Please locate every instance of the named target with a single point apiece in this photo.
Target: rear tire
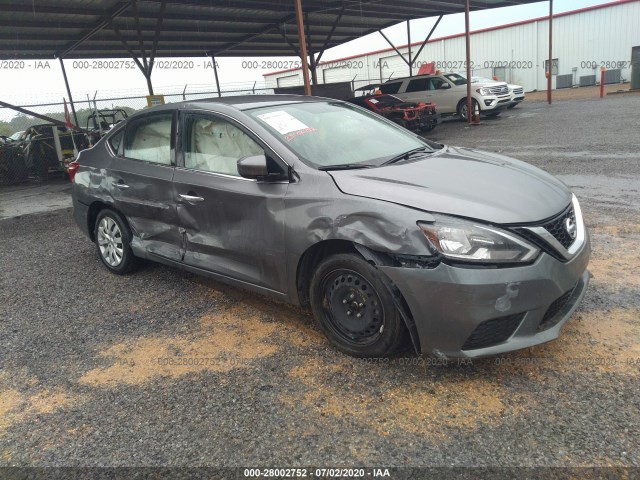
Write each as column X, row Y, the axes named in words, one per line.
column 353, row 304
column 113, row 242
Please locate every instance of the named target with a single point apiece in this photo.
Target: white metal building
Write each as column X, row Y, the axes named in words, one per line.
column 583, row 41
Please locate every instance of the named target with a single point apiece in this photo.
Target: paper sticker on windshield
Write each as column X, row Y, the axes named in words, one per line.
column 283, row 122
column 373, row 100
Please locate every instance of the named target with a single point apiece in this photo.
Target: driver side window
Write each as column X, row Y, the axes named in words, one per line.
column 436, row 83
column 212, row 144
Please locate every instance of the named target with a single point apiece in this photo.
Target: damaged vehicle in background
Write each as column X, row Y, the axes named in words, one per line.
column 39, row 148
column 449, row 92
column 417, row 117
column 100, row 122
column 385, row 235
column 13, row 168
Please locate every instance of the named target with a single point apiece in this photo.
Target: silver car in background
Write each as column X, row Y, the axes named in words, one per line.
column 387, row 237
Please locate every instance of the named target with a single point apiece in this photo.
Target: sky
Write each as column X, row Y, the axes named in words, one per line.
column 46, row 84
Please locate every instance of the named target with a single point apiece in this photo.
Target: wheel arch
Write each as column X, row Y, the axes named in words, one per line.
column 311, row 258
column 94, row 210
column 316, row 253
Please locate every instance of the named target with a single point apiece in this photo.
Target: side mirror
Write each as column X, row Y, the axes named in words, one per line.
column 445, row 86
column 253, row 167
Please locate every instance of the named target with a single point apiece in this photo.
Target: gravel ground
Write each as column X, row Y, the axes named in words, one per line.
column 163, row 368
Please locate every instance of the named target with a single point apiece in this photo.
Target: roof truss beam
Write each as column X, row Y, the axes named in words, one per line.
column 118, row 9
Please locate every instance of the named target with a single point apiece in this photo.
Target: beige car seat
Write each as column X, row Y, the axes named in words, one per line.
column 216, row 146
column 152, row 143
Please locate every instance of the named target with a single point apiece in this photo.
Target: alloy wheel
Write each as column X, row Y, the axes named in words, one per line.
column 110, row 241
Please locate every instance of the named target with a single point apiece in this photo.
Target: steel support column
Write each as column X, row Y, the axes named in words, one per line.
column 303, row 47
column 312, row 67
column 550, row 63
column 66, row 82
column 312, row 59
column 409, row 48
column 467, row 36
column 215, row 72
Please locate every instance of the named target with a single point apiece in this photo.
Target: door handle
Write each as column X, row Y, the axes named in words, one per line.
column 190, row 198
column 121, row 185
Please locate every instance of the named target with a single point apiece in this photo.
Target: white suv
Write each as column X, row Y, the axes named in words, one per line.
column 449, row 92
column 516, row 91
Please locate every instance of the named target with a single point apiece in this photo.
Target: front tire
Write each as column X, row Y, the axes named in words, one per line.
column 113, row 242
column 462, row 108
column 353, row 304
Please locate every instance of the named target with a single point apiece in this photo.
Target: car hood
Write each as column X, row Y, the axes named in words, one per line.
column 463, row 182
column 487, row 84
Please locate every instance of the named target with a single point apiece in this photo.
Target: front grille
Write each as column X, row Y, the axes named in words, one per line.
column 551, row 316
column 557, row 227
column 518, row 91
column 499, row 90
column 537, row 241
column 493, row 332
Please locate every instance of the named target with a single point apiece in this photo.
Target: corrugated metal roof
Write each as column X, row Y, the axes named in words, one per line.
column 109, row 29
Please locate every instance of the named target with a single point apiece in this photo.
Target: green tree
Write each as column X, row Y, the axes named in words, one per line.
column 6, row 129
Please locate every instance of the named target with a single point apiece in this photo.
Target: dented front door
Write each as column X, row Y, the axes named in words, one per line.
column 232, row 226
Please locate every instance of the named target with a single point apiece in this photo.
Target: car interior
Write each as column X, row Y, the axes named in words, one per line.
column 216, row 146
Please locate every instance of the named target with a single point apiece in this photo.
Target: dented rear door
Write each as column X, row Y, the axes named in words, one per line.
column 140, row 183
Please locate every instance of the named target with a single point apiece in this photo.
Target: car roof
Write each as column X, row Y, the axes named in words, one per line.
column 240, row 102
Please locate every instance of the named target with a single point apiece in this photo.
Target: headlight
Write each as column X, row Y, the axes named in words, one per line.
column 471, row 242
column 483, row 91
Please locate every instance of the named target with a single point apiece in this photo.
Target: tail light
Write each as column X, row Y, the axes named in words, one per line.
column 72, row 169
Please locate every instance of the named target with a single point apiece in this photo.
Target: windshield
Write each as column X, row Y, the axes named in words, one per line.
column 456, row 79
column 327, row 133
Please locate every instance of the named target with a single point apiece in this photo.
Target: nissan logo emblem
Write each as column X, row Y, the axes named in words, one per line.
column 570, row 227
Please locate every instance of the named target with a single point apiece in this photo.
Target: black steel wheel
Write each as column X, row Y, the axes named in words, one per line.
column 353, row 304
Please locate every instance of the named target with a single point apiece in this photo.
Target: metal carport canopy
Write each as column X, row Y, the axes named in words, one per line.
column 147, row 29
column 43, row 29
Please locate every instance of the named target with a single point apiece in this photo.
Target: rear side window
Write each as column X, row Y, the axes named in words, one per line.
column 418, row 85
column 390, row 88
column 149, row 139
column 116, row 140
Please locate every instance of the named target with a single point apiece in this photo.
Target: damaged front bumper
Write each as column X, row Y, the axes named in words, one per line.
column 477, row 312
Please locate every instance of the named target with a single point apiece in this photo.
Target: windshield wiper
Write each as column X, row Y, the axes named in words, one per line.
column 346, row 166
column 407, row 155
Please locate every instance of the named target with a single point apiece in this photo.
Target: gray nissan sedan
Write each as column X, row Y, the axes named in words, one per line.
column 388, row 237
